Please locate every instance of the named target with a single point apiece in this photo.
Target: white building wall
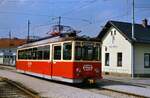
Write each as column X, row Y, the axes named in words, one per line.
column 140, row 49
column 119, row 44
column 1, row 60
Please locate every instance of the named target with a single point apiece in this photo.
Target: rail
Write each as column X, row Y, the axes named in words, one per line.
column 15, row 86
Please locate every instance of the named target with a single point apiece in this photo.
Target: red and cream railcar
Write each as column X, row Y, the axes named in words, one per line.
column 70, row 59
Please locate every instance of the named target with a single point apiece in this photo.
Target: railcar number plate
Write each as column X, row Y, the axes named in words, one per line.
column 87, row 67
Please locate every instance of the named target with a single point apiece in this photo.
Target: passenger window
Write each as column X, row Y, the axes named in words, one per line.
column 46, row 52
column 24, row 54
column 78, row 51
column 39, row 53
column 67, row 51
column 20, row 54
column 57, row 52
column 29, row 56
column 34, row 54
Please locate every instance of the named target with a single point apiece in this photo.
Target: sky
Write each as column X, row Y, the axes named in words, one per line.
column 89, row 16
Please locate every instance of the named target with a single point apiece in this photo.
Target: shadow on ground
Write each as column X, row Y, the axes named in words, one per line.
column 102, row 83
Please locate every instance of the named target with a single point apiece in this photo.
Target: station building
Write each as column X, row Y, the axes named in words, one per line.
column 8, row 48
column 120, row 51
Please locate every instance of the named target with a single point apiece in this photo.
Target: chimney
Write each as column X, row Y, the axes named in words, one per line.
column 145, row 23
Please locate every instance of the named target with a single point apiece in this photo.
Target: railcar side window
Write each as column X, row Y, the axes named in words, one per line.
column 57, row 52
column 21, row 54
column 29, row 56
column 78, row 51
column 37, row 53
column 67, row 51
column 46, row 52
column 34, row 53
column 24, row 54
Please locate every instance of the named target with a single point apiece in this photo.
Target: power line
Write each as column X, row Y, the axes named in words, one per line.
column 2, row 1
column 80, row 7
column 80, row 19
column 21, row 13
column 50, row 2
column 38, row 26
column 146, row 7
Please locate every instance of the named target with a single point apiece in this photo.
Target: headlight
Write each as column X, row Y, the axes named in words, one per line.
column 78, row 71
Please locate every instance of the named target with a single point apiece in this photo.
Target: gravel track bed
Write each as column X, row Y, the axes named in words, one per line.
column 49, row 89
column 9, row 91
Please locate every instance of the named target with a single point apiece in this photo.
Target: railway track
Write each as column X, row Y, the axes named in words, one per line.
column 99, row 89
column 115, row 94
column 10, row 89
column 109, row 92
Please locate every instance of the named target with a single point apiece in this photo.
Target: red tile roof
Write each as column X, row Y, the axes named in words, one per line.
column 6, row 43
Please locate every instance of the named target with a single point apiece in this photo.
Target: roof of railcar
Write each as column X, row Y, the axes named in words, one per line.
column 55, row 39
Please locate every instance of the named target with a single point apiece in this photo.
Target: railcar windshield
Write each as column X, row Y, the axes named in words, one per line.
column 87, row 51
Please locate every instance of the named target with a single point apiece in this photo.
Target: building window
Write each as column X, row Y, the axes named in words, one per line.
column 147, row 60
column 111, row 32
column 106, row 59
column 114, row 32
column 119, row 59
column 105, row 48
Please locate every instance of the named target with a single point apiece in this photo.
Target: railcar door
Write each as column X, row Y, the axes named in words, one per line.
column 56, row 61
column 29, row 63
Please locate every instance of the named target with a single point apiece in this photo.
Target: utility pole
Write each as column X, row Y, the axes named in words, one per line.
column 133, row 38
column 9, row 49
column 133, row 21
column 59, row 24
column 9, row 40
column 28, row 36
